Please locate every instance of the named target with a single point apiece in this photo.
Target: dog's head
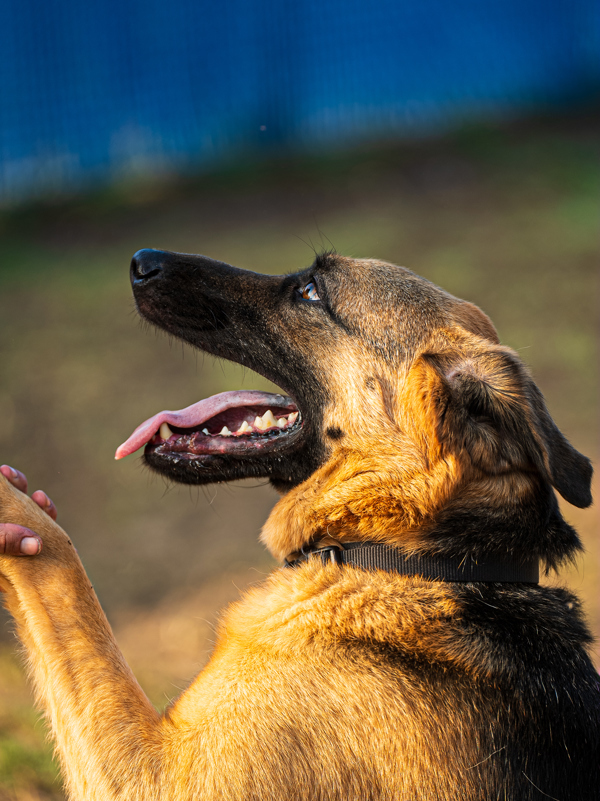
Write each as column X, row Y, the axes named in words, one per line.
column 403, row 418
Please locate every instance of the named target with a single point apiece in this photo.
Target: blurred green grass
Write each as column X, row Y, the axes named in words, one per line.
column 27, row 770
column 506, row 218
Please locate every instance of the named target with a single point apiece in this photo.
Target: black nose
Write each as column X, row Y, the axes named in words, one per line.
column 146, row 263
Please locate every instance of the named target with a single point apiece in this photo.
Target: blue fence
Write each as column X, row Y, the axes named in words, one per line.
column 96, row 90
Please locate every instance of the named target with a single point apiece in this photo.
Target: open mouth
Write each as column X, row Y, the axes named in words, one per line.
column 238, row 424
column 249, row 319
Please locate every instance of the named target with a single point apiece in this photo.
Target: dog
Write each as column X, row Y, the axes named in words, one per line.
column 405, row 650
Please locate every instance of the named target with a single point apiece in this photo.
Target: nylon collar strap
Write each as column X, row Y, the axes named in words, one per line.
column 379, row 556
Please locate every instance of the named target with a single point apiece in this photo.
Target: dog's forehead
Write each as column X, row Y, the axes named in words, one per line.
column 390, row 283
column 362, row 286
column 373, row 292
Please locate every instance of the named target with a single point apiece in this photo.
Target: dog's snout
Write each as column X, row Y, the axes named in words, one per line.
column 146, row 264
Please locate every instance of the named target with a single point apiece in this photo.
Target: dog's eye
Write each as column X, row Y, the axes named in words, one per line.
column 309, row 292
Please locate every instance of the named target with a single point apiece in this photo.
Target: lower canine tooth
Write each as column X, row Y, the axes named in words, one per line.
column 164, row 431
column 224, row 432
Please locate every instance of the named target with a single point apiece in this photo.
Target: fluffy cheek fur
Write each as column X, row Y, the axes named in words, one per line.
column 456, row 434
column 387, row 473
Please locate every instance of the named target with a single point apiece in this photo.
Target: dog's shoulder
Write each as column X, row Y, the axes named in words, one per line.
column 484, row 630
column 320, row 608
column 315, row 661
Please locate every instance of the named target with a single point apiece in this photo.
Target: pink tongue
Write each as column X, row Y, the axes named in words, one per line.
column 196, row 414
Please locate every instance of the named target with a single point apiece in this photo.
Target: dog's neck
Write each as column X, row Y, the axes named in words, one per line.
column 380, row 556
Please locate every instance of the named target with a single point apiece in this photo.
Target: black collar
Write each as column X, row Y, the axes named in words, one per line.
column 378, row 556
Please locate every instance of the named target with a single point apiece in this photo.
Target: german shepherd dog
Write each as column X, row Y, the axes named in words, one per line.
column 405, row 650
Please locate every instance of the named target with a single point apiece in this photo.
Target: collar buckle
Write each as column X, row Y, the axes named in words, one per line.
column 330, row 554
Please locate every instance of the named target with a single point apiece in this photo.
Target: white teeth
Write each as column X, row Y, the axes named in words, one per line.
column 268, row 419
column 164, row 431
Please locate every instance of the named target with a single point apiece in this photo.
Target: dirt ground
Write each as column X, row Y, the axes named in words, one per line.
column 504, row 217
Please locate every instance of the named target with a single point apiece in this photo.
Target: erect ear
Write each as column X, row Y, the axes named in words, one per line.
column 488, row 404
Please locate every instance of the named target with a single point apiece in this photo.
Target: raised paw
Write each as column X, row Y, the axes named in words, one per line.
column 18, row 540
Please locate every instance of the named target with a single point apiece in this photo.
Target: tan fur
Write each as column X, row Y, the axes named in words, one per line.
column 390, row 475
column 326, row 682
column 279, row 645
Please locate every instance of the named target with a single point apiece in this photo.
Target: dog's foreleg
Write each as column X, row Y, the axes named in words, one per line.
column 108, row 736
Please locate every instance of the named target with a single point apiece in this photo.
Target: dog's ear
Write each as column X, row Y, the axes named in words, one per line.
column 471, row 318
column 487, row 404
